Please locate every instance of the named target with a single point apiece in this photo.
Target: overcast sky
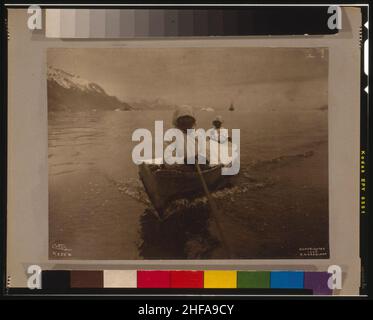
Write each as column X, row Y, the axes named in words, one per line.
column 199, row 76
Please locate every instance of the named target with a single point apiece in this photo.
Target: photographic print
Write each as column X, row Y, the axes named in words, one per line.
column 114, row 194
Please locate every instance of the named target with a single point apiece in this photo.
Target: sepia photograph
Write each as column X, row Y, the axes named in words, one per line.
column 188, row 153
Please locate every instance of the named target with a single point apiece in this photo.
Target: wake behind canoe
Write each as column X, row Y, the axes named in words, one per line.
column 164, row 184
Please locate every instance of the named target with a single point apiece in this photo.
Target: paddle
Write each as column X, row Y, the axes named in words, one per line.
column 214, row 209
column 151, row 189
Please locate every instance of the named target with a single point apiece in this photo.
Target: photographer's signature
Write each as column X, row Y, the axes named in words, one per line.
column 59, row 249
column 313, row 252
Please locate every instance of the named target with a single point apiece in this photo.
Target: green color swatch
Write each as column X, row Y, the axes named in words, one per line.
column 253, row 279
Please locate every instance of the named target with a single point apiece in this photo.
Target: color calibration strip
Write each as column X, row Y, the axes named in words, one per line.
column 211, row 279
column 148, row 23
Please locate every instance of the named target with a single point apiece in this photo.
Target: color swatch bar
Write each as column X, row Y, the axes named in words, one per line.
column 149, row 23
column 317, row 282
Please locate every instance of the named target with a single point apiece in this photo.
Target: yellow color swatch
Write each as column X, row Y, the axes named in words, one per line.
column 220, row 279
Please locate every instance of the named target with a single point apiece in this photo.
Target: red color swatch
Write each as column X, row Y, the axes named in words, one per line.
column 153, row 279
column 186, row 279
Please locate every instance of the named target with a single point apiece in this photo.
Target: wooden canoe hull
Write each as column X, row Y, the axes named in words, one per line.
column 165, row 185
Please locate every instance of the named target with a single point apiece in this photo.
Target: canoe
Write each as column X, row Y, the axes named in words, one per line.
column 164, row 184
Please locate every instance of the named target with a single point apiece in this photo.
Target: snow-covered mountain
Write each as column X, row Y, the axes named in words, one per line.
column 155, row 104
column 70, row 92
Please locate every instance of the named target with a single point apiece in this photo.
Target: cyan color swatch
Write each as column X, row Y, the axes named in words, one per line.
column 287, row 279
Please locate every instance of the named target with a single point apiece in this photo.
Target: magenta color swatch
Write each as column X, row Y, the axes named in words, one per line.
column 153, row 279
column 318, row 282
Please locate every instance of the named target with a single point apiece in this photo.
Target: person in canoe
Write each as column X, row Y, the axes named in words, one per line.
column 217, row 132
column 210, row 153
column 184, row 119
column 172, row 180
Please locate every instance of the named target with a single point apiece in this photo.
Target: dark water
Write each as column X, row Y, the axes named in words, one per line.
column 277, row 206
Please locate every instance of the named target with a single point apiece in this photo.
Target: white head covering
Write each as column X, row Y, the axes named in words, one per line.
column 218, row 118
column 182, row 111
